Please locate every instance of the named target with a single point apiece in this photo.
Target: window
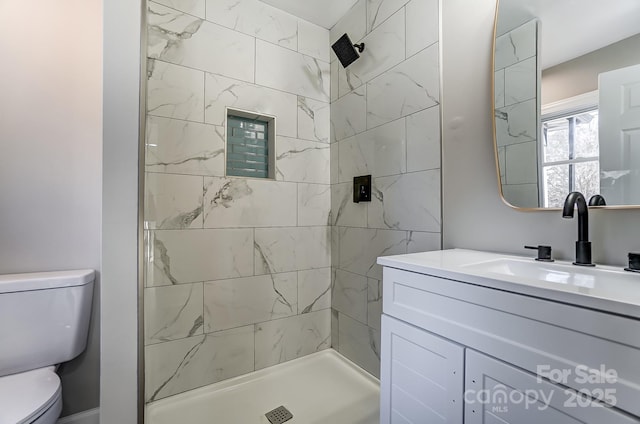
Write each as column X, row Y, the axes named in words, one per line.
column 250, row 145
column 570, row 156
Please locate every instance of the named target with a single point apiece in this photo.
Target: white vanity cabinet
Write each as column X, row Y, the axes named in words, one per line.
column 456, row 350
column 496, row 392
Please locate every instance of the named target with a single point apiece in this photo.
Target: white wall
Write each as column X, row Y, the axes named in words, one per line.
column 119, row 344
column 474, row 215
column 50, row 161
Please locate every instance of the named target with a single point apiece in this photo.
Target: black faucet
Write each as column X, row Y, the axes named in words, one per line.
column 583, row 245
column 597, row 200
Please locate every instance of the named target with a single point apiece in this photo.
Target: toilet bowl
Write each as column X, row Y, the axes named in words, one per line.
column 32, row 397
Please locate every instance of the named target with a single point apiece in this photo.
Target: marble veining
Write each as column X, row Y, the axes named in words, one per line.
column 255, row 18
column 349, row 115
column 343, row 210
column 374, row 303
column 181, row 39
column 385, row 48
column 288, row 249
column 314, row 204
column 349, row 295
column 223, row 92
column 167, row 29
column 192, row 7
column 360, row 247
column 241, row 202
column 406, row 202
column 423, row 241
column 380, row 152
column 186, row 256
column 379, row 10
column 302, row 161
column 422, row 25
column 177, row 366
column 514, row 124
column 183, row 147
column 335, row 67
column 174, row 91
column 313, row 120
column 516, row 45
column 243, row 301
column 289, row 338
column 162, row 261
column 410, row 87
column 313, row 40
column 173, row 201
column 173, row 312
column 314, row 290
column 291, row 72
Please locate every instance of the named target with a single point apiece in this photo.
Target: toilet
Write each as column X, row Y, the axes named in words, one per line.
column 44, row 321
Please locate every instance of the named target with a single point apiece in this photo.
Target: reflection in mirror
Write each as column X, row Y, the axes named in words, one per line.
column 567, row 100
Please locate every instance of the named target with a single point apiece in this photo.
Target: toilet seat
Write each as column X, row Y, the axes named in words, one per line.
column 26, row 396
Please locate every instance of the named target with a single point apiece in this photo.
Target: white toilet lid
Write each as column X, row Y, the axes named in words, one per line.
column 25, row 396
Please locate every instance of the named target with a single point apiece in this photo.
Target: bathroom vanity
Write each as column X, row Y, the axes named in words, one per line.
column 478, row 337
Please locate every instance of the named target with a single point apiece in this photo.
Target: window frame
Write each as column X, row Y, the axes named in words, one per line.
column 565, row 108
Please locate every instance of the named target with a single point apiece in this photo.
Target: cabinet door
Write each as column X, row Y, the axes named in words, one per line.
column 421, row 376
column 498, row 393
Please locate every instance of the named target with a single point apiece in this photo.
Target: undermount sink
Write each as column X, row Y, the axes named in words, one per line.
column 552, row 272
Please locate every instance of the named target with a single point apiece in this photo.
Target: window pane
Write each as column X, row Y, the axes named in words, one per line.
column 587, row 177
column 556, row 185
column 586, row 140
column 556, row 144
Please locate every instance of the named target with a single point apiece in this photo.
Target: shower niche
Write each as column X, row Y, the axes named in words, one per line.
column 250, row 144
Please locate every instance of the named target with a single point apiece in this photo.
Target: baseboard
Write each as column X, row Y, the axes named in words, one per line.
column 92, row 416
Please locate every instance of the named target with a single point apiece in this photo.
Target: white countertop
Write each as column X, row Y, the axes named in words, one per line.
column 603, row 288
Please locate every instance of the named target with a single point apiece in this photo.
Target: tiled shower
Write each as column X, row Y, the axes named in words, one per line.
column 245, row 273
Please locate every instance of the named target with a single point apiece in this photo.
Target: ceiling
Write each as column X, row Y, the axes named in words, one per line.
column 325, row 13
column 572, row 28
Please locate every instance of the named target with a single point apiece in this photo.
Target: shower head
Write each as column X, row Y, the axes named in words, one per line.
column 346, row 50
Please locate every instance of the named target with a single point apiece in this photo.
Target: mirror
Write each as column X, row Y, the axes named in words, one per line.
column 567, row 101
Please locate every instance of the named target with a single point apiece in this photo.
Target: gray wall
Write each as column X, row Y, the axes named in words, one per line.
column 119, row 344
column 580, row 75
column 50, row 165
column 474, row 215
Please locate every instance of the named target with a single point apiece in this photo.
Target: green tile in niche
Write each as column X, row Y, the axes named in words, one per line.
column 247, row 147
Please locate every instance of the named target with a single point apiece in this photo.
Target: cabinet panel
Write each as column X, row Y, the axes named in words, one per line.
column 496, row 392
column 421, row 376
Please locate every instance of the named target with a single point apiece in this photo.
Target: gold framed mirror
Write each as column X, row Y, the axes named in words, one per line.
column 566, row 96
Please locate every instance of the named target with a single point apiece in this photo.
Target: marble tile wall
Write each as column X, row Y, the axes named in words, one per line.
column 385, row 121
column 238, row 271
column 516, row 109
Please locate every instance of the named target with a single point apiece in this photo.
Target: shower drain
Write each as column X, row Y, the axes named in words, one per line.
column 278, row 415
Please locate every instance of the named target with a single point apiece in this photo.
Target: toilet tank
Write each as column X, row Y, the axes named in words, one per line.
column 44, row 318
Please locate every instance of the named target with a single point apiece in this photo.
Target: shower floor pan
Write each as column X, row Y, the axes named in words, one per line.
column 320, row 388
